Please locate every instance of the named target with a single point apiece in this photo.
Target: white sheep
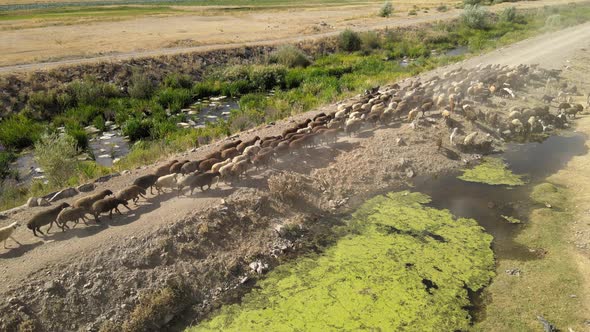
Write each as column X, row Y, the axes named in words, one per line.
column 239, row 158
column 6, row 233
column 225, row 172
column 251, row 150
column 166, row 181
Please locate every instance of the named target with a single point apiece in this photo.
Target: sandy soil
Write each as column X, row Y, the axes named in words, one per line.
column 38, row 260
column 84, row 42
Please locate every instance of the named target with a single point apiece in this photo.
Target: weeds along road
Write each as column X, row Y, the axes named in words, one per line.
column 83, row 44
column 551, row 50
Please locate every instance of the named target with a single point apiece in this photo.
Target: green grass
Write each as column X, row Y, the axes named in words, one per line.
column 546, row 284
column 87, row 12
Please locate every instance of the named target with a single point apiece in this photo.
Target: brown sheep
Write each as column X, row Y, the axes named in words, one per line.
column 213, row 155
column 132, row 192
column 202, row 180
column 190, row 166
column 46, row 217
column 263, row 157
column 177, row 166
column 230, row 145
column 206, row 165
column 108, row 205
column 86, row 202
column 74, row 215
column 287, row 132
column 229, row 153
column 146, row 181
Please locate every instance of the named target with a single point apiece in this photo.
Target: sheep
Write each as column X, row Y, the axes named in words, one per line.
column 413, row 114
column 165, row 169
column 240, row 147
column 239, row 158
column 262, row 158
column 352, row 126
column 6, row 233
column 229, row 153
column 190, row 167
column 215, row 168
column 331, row 135
column 213, row 155
column 251, row 150
column 563, row 106
column 202, row 180
column 74, row 215
column 108, row 205
column 166, row 181
column 206, row 164
column 86, row 202
column 240, row 168
column 146, row 181
column 230, row 145
column 572, row 112
column 186, row 181
column 175, row 168
column 470, row 139
column 45, row 217
column 132, row 192
column 225, row 172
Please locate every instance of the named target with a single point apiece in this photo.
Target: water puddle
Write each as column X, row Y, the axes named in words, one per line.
column 459, row 50
column 407, row 259
column 211, row 110
column 108, row 147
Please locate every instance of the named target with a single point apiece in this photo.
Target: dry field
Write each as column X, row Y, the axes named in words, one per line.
column 125, row 32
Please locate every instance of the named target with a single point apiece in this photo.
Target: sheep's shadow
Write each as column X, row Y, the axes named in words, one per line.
column 20, row 250
column 314, row 158
column 209, row 193
column 449, row 153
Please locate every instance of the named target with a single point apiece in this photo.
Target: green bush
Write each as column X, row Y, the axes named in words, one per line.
column 290, row 56
column 386, row 10
column 137, row 129
column 205, row 89
column 5, row 159
column 19, row 132
column 442, row 8
column 412, row 12
column 178, row 81
column 43, row 105
column 174, row 99
column 472, row 2
column 56, row 155
column 140, row 86
column 90, row 91
column 80, row 135
column 508, row 14
column 475, row 17
column 370, row 41
column 349, row 41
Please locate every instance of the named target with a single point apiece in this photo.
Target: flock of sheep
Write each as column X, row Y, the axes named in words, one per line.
column 450, row 96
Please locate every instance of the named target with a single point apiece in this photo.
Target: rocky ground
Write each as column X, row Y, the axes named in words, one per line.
column 173, row 259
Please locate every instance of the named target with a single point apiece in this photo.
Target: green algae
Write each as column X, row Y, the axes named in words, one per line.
column 401, row 265
column 492, row 171
column 512, row 220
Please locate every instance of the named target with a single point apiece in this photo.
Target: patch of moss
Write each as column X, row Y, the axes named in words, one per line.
column 401, row 265
column 546, row 193
column 512, row 220
column 492, row 171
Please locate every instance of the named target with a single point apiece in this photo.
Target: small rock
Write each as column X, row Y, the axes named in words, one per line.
column 42, row 202
column 513, row 272
column 125, row 172
column 547, row 205
column 66, row 193
column 491, row 205
column 410, row 172
column 400, row 142
column 32, row 202
column 86, row 187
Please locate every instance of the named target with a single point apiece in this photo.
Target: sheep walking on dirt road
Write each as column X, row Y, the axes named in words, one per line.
column 6, row 233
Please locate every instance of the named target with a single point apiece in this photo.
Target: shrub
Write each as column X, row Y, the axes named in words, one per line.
column 386, row 10
column 178, row 81
column 442, row 8
column 80, row 135
column 205, row 89
column 267, row 77
column 18, row 132
column 5, row 159
column 508, row 14
column 290, row 56
column 43, row 104
column 140, row 86
column 412, row 12
column 90, row 91
column 553, row 21
column 475, row 17
column 370, row 41
column 136, row 128
column 56, row 155
column 174, row 99
column 349, row 41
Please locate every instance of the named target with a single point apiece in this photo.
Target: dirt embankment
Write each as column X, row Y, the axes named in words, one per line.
column 173, row 254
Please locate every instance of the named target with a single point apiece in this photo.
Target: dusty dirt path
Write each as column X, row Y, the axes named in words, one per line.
column 53, row 46
column 552, row 50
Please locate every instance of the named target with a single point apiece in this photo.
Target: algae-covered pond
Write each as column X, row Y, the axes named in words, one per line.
column 407, row 260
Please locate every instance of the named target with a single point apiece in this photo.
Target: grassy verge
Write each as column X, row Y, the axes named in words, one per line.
column 548, row 286
column 148, row 110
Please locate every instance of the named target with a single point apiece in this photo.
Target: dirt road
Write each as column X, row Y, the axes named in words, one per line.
column 51, row 254
column 51, row 46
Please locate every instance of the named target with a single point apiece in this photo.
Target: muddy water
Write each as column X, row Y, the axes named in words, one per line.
column 487, row 204
column 409, row 258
